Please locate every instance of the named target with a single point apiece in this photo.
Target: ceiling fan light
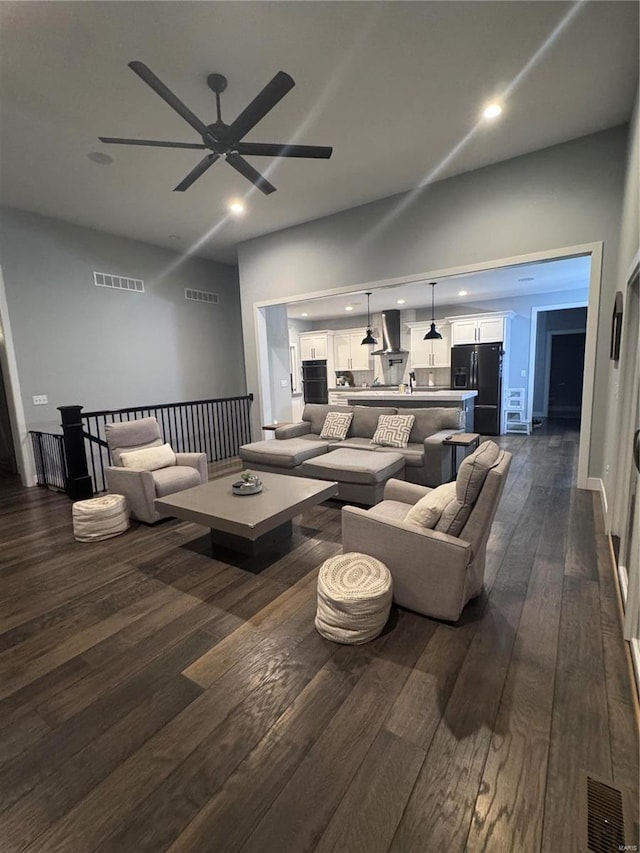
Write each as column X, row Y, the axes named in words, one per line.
column 433, row 334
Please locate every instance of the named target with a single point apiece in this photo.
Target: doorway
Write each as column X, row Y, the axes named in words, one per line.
column 8, row 465
column 566, row 371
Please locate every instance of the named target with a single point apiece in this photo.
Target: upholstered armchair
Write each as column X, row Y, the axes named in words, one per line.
column 142, row 478
column 434, row 572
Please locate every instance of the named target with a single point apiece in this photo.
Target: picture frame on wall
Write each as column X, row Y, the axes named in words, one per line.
column 616, row 326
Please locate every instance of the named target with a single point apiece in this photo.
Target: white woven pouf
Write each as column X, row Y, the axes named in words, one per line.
column 100, row 518
column 354, row 598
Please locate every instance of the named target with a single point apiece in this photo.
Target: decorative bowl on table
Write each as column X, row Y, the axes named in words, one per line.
column 248, row 484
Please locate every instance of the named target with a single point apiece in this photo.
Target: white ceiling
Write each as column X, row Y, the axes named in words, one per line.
column 521, row 280
column 393, row 86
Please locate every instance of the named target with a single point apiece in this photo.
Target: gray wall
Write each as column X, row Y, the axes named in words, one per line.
column 629, row 248
column 101, row 348
column 560, row 196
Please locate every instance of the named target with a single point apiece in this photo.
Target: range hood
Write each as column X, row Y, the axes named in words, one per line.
column 390, row 334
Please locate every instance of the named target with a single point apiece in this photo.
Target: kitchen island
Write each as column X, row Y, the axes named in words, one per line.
column 462, row 400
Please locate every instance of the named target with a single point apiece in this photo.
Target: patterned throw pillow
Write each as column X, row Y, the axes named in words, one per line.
column 393, row 430
column 336, row 425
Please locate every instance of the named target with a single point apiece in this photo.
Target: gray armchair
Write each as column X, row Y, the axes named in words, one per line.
column 433, row 573
column 141, row 487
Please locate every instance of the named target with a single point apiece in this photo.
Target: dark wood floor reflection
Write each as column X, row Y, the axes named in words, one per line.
column 153, row 697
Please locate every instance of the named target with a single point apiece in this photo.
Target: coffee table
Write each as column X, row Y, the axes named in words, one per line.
column 249, row 524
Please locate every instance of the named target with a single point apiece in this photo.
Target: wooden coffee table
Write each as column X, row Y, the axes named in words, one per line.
column 249, row 524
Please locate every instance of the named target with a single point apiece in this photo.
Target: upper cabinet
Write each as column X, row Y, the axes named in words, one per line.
column 479, row 328
column 314, row 345
column 429, row 353
column 349, row 352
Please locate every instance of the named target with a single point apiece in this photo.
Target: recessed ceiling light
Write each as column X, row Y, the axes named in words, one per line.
column 304, row 314
column 400, row 301
column 236, row 207
column 527, row 278
column 349, row 308
column 100, row 158
column 492, row 111
column 462, row 292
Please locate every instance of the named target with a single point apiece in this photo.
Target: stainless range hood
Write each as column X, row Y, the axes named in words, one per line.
column 390, row 334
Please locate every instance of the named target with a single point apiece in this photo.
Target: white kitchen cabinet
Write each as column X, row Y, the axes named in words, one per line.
column 479, row 328
column 429, row 353
column 314, row 346
column 349, row 353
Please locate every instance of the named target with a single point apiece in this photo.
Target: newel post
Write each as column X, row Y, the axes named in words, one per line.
column 77, row 480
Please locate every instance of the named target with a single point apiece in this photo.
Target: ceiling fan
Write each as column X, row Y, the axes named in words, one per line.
column 224, row 141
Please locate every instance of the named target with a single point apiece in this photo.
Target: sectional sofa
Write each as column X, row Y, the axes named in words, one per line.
column 299, row 450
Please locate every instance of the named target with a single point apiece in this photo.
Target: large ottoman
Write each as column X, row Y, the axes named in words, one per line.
column 354, row 598
column 99, row 518
column 274, row 456
column 361, row 474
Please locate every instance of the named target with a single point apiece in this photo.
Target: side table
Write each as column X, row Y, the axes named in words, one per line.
column 273, row 427
column 460, row 439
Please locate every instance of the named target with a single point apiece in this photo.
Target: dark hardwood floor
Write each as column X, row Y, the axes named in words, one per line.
column 153, row 697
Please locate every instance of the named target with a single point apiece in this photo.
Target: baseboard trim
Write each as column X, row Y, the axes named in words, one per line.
column 596, row 484
column 635, row 657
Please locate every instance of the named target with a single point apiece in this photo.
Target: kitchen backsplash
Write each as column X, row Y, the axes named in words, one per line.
column 441, row 377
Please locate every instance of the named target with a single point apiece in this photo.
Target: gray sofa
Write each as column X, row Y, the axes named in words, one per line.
column 427, row 461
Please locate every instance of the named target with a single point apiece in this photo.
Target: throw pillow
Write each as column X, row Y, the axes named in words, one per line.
column 336, row 425
column 428, row 510
column 149, row 459
column 393, row 430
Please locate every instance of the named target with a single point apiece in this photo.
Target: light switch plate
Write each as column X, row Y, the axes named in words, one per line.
column 523, row 373
column 40, row 400
column 283, row 383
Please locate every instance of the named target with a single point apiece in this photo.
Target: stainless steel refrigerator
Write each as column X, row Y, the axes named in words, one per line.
column 314, row 381
column 478, row 367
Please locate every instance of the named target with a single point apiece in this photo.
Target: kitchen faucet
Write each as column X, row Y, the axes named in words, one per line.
column 412, row 379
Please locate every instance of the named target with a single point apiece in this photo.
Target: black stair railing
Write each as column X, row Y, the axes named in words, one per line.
column 74, row 461
column 217, row 427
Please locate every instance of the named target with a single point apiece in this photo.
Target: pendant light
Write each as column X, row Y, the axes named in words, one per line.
column 433, row 334
column 368, row 339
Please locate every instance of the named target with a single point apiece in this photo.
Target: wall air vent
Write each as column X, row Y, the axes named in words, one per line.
column 118, row 282
column 201, row 296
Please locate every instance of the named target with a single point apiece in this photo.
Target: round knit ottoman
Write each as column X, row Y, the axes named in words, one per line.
column 99, row 518
column 354, row 598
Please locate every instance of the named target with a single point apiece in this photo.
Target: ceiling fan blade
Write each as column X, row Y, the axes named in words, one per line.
column 267, row 149
column 155, row 143
column 250, row 173
column 195, row 173
column 260, row 105
column 167, row 95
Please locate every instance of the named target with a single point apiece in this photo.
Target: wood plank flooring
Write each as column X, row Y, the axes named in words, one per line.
column 154, row 696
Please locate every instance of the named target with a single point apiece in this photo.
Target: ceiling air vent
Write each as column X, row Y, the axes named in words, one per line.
column 118, row 282
column 201, row 296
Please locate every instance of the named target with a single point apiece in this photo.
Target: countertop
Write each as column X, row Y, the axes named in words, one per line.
column 445, row 395
column 379, row 389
